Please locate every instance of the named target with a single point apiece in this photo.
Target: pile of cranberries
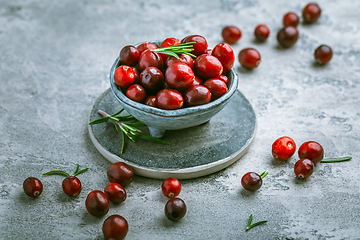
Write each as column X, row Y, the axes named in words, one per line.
column 165, row 82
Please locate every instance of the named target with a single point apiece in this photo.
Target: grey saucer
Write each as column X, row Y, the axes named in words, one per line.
column 194, row 152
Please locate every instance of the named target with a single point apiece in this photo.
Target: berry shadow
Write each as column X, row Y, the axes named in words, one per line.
column 244, row 70
column 315, row 64
column 89, row 219
column 257, row 42
column 247, row 194
column 277, row 163
column 165, row 222
column 299, row 181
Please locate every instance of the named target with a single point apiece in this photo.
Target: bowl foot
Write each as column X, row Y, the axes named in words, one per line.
column 156, row 133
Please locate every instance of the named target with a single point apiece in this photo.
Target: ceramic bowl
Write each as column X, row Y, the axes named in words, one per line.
column 159, row 120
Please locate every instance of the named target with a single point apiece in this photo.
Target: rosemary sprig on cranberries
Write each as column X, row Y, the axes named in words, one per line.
column 184, row 48
column 128, row 126
column 249, row 225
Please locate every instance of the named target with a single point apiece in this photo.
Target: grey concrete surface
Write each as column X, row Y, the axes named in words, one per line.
column 55, row 58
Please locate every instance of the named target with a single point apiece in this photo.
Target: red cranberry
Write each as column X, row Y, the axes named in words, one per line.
column 197, row 95
column 251, row 181
column 287, row 36
column 169, row 99
column 304, row 168
column 136, row 93
column 115, row 192
column 225, row 54
column 179, row 76
column 216, row 86
column 151, row 101
column 71, row 186
column 311, row 13
column 115, row 227
column 171, row 187
column 291, row 19
column 261, row 32
column 183, row 58
column 323, row 54
column 120, row 173
column 129, row 55
column 32, row 187
column 231, row 34
column 152, row 79
column 175, row 209
column 283, row 148
column 200, row 45
column 124, row 76
column 197, row 81
column 150, row 59
column 137, row 75
column 311, row 150
column 167, row 43
column 206, row 66
column 224, row 79
column 145, row 46
column 249, row 58
column 97, row 203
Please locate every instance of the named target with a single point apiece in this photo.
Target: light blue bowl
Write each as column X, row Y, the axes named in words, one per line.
column 159, row 120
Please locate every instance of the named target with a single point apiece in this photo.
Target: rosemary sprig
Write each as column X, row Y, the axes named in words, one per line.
column 184, row 48
column 60, row 172
column 127, row 124
column 249, row 225
column 339, row 159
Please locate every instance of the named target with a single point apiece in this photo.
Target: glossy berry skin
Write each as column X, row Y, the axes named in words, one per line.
column 311, row 13
column 115, row 227
column 145, row 46
column 136, row 93
column 137, row 74
column 251, row 181
column 287, row 36
column 32, row 187
column 71, row 186
column 183, row 58
column 224, row 78
column 151, row 101
column 97, row 203
column 311, row 150
column 216, row 86
column 283, row 148
column 124, row 76
column 120, row 173
column 261, row 32
column 197, row 81
column 129, row 55
column 171, row 187
column 303, row 168
column 152, row 79
column 200, row 46
column 207, row 66
column 167, row 43
column 249, row 58
column 291, row 19
column 323, row 54
column 175, row 209
column 197, row 95
column 179, row 76
column 231, row 34
column 225, row 54
column 169, row 99
column 115, row 192
column 150, row 59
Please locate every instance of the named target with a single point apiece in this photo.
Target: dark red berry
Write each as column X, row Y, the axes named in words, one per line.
column 311, row 150
column 136, row 93
column 323, row 54
column 115, row 192
column 287, row 36
column 311, row 13
column 167, row 43
column 169, row 99
column 115, row 227
column 261, row 32
column 200, row 46
column 152, row 79
column 206, row 66
column 225, row 54
column 150, row 59
column 137, row 74
column 129, row 55
column 171, row 187
column 151, row 101
column 32, row 187
column 231, row 34
column 124, row 76
column 179, row 76
column 283, row 148
column 224, row 78
column 291, row 19
column 175, row 209
column 249, row 58
column 251, row 181
column 97, row 203
column 183, row 58
column 120, row 173
column 145, row 46
column 197, row 95
column 304, row 168
column 71, row 186
column 197, row 81
column 216, row 86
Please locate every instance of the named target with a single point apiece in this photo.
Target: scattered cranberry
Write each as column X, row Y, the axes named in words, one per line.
column 200, row 46
column 225, row 54
column 124, row 76
column 252, row 181
column 129, row 55
column 197, row 95
column 287, row 36
column 311, row 13
column 136, row 93
column 304, row 168
column 179, row 76
column 169, row 99
column 152, row 79
column 71, row 186
column 207, row 66
column 115, row 192
column 97, row 203
column 261, row 32
column 32, row 187
column 224, row 78
column 216, row 86
column 171, row 187
column 291, row 19
column 231, row 34
column 167, row 43
column 145, row 46
column 115, row 227
column 150, row 59
column 249, row 58
column 323, row 54
column 283, row 148
column 120, row 173
column 311, row 150
column 151, row 101
column 183, row 58
column 175, row 209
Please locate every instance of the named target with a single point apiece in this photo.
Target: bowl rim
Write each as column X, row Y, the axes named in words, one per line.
column 171, row 113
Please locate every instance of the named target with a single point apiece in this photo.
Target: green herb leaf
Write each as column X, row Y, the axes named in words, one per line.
column 131, row 128
column 117, row 113
column 249, row 225
column 263, row 174
column 81, row 171
column 57, row 172
column 123, row 142
column 100, row 120
column 339, row 159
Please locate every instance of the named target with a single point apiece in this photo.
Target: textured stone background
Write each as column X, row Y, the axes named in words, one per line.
column 55, row 57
